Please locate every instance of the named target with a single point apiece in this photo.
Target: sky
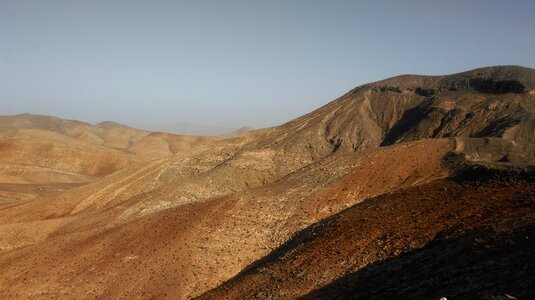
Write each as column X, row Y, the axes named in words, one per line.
column 227, row 64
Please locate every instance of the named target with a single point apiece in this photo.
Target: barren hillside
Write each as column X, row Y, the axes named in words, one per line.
column 496, row 102
column 468, row 236
column 41, row 153
column 385, row 157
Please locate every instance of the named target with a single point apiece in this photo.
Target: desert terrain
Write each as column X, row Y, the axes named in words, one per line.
column 413, row 186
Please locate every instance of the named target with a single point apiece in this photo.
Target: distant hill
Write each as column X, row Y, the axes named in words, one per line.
column 240, row 131
column 187, row 128
column 36, row 149
column 106, row 134
column 111, row 124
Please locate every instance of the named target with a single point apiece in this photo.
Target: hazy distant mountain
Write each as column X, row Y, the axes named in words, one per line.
column 187, row 128
column 242, row 130
column 111, row 124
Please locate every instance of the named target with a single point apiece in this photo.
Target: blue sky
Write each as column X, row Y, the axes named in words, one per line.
column 235, row 63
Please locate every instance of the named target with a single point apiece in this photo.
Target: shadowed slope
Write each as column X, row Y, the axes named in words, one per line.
column 482, row 263
column 408, row 244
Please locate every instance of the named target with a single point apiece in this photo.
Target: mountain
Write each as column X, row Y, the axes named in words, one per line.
column 188, row 128
column 494, row 103
column 42, row 153
column 105, row 134
column 111, row 124
column 389, row 175
column 241, row 130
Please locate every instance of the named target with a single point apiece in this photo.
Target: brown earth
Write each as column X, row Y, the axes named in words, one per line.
column 177, row 216
column 248, row 224
column 451, row 237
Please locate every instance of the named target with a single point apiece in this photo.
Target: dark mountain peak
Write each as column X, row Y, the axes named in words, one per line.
column 488, row 80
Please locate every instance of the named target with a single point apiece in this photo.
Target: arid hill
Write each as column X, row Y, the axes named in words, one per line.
column 492, row 103
column 240, row 215
column 105, row 134
column 41, row 153
column 457, row 237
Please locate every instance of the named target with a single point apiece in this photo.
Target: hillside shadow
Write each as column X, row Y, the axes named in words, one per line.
column 301, row 237
column 408, row 121
column 491, row 86
column 477, row 264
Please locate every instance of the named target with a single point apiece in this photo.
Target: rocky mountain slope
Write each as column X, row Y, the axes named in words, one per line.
column 182, row 225
column 496, row 102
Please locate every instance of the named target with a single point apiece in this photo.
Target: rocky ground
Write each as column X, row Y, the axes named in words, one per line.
column 464, row 238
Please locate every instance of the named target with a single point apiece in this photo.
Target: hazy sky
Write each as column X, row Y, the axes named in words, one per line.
column 235, row 63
